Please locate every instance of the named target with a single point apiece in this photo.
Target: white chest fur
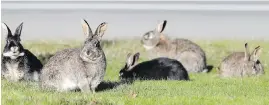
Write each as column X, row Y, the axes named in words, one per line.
column 13, row 72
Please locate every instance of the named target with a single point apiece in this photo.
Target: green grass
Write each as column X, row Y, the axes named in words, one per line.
column 204, row 89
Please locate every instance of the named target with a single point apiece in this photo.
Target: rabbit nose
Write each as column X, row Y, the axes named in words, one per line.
column 14, row 49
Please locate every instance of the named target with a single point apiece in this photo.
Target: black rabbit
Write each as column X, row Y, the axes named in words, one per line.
column 155, row 69
column 18, row 63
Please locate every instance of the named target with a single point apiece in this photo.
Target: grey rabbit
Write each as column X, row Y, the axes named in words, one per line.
column 155, row 69
column 18, row 63
column 240, row 64
column 187, row 52
column 77, row 68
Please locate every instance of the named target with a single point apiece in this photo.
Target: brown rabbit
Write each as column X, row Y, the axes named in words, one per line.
column 239, row 64
column 188, row 53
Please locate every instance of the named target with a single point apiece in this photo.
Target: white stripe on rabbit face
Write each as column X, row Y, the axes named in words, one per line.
column 148, row 47
column 13, row 53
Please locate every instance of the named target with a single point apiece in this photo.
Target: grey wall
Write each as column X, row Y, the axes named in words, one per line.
column 189, row 19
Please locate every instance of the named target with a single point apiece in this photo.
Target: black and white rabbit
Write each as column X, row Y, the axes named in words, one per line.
column 18, row 63
column 155, row 69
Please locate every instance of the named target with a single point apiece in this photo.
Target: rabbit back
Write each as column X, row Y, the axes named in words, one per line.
column 35, row 66
column 161, row 68
column 188, row 53
column 53, row 70
column 34, row 63
column 232, row 65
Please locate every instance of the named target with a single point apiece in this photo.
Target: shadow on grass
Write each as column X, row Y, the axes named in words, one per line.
column 108, row 85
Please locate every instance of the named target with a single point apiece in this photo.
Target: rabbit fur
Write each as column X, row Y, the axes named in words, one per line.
column 240, row 64
column 77, row 68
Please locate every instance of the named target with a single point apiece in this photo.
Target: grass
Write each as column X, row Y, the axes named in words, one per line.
column 204, row 89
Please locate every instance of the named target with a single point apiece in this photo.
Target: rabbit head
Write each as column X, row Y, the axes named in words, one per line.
column 151, row 38
column 252, row 65
column 127, row 71
column 13, row 48
column 91, row 50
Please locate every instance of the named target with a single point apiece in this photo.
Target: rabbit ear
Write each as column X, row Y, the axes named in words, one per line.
column 18, row 30
column 256, row 53
column 136, row 57
column 100, row 30
column 129, row 61
column 161, row 26
column 5, row 27
column 86, row 28
column 132, row 60
column 246, row 52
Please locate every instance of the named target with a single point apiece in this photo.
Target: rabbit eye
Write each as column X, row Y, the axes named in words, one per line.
column 97, row 44
column 146, row 37
column 8, row 41
column 257, row 62
column 121, row 74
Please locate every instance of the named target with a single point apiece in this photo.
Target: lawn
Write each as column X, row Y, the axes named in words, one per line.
column 204, row 88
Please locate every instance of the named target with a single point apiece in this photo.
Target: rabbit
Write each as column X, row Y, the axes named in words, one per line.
column 241, row 64
column 18, row 63
column 185, row 51
column 77, row 68
column 156, row 69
